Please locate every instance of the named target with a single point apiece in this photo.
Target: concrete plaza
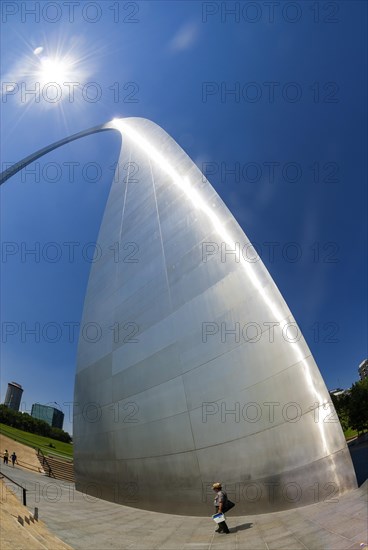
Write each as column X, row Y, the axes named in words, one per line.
column 87, row 523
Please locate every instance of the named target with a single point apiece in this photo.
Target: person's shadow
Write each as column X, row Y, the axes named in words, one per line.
column 243, row 526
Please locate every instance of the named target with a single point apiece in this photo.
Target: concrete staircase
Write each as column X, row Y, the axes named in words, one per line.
column 20, row 528
column 57, row 468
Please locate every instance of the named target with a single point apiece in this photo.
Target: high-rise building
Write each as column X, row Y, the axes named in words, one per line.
column 52, row 416
column 13, row 396
column 363, row 369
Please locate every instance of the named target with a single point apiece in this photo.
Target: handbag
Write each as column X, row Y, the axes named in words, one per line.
column 229, row 504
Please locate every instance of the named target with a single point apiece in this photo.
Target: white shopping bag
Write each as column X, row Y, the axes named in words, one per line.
column 218, row 518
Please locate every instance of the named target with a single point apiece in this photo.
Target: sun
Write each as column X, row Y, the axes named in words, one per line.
column 55, row 70
column 57, row 73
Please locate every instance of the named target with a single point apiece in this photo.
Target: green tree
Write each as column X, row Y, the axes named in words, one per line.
column 57, row 433
column 358, row 406
column 341, row 404
column 26, row 422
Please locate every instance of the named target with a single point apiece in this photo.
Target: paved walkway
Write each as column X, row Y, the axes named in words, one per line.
column 86, row 523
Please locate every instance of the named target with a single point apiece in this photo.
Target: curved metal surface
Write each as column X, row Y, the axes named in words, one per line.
column 6, row 174
column 195, row 370
column 176, row 401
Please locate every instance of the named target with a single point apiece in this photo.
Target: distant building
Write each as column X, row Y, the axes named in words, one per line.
column 339, row 392
column 52, row 416
column 13, row 396
column 363, row 369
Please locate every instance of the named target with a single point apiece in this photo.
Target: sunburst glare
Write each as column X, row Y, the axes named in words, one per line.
column 50, row 75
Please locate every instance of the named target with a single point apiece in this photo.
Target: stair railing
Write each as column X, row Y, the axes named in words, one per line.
column 19, row 485
column 44, row 462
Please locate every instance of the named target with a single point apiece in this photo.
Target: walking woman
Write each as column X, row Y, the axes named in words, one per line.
column 220, row 504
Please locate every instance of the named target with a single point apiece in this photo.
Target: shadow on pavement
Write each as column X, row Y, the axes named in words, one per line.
column 243, row 526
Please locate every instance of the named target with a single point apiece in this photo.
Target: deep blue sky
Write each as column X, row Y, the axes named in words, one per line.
column 162, row 54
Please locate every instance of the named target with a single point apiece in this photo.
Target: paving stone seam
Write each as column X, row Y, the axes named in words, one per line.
column 295, row 536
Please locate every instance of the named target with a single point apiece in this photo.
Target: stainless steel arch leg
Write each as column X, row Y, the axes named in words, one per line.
column 200, row 373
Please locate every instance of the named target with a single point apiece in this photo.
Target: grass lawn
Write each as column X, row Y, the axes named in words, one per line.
column 38, row 441
column 349, row 433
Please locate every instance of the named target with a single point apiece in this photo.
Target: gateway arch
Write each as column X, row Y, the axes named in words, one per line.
column 200, row 372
